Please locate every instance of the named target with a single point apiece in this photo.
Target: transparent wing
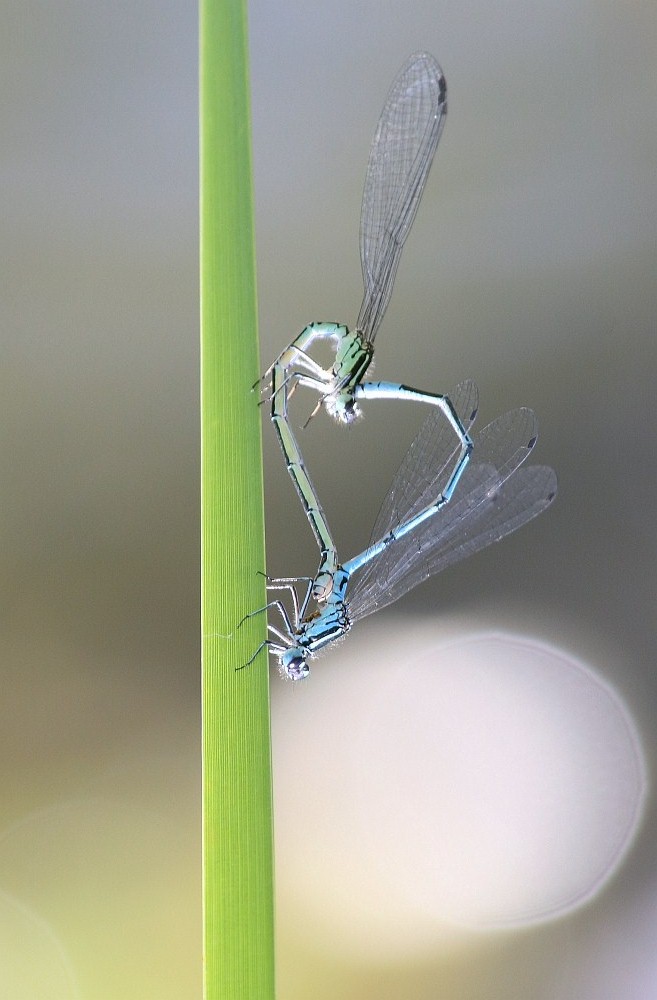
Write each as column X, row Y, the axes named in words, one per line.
column 498, row 451
column 428, row 463
column 402, row 151
column 419, row 481
column 488, row 512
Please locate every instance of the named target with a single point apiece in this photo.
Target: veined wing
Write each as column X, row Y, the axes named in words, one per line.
column 402, row 151
column 490, row 509
column 498, row 451
column 428, row 464
column 418, row 483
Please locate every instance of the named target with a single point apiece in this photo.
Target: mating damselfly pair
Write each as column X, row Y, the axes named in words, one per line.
column 453, row 494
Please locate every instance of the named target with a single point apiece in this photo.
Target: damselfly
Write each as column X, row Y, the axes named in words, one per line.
column 401, row 154
column 494, row 497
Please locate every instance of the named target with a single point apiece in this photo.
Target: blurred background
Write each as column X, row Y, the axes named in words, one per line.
column 462, row 805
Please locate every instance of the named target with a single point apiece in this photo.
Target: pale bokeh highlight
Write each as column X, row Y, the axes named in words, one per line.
column 472, row 780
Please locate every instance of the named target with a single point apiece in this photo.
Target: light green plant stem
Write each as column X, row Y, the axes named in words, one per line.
column 237, row 816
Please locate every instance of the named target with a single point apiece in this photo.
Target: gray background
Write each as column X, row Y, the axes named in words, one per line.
column 530, row 268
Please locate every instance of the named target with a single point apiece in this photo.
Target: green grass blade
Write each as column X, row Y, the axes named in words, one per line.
column 237, row 819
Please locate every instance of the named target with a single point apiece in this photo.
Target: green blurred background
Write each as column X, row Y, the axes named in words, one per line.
column 531, row 268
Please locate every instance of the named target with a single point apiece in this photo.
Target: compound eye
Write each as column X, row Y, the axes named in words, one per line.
column 350, row 411
column 297, row 668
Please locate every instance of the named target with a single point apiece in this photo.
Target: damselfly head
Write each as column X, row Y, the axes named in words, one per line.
column 342, row 407
column 294, row 664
